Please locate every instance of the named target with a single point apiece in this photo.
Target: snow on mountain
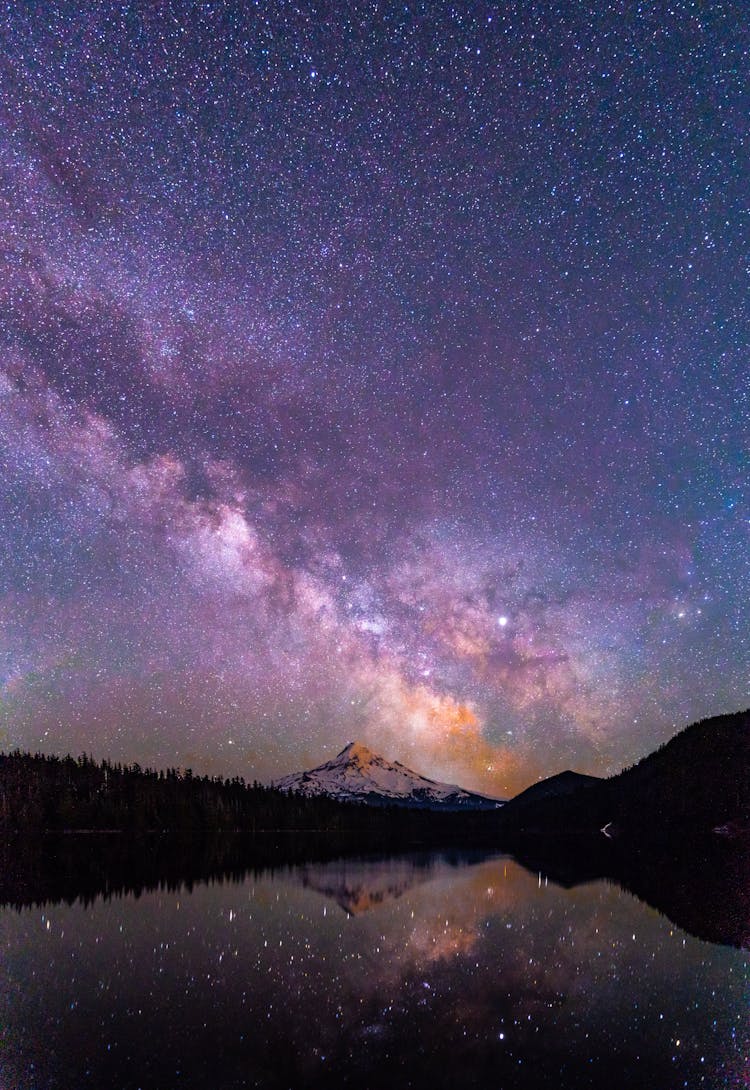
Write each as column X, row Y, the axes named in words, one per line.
column 357, row 774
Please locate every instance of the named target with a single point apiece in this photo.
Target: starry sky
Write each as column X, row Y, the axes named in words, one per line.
column 373, row 370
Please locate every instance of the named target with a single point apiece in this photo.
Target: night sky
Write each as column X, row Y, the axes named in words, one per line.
column 373, row 371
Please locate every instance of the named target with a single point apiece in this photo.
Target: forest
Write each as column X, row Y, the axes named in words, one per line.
column 53, row 793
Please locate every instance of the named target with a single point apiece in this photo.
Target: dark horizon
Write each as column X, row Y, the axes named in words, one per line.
column 251, row 779
column 694, row 782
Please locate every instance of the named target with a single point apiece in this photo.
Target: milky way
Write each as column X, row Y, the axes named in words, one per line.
column 373, row 371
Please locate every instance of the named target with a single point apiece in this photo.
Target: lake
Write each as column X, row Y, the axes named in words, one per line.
column 429, row 969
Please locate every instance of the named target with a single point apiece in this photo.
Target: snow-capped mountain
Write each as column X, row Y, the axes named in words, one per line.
column 359, row 775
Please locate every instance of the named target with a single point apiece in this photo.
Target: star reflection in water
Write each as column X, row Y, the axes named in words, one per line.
column 422, row 969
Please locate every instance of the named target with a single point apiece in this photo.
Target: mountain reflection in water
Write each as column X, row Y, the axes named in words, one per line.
column 423, row 969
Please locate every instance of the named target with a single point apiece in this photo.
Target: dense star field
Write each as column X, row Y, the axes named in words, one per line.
column 373, row 371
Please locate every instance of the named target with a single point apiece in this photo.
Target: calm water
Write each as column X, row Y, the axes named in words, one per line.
column 425, row 970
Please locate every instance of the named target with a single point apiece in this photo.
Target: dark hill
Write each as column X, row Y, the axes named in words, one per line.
column 564, row 783
column 699, row 780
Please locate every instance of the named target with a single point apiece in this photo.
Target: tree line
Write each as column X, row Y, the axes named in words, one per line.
column 39, row 791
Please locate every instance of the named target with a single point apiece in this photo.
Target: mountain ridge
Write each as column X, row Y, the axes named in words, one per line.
column 697, row 780
column 358, row 774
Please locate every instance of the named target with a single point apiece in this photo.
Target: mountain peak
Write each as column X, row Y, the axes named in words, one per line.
column 357, row 774
column 356, row 751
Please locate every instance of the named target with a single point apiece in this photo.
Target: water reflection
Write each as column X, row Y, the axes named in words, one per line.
column 429, row 969
column 359, row 884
